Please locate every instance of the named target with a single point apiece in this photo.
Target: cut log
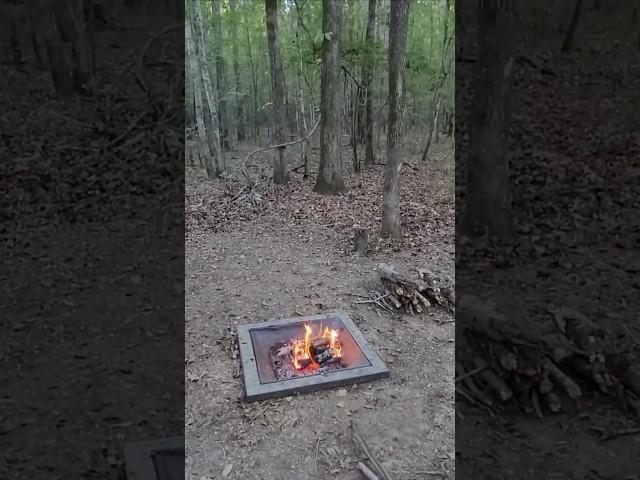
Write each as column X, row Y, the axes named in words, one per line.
column 493, row 381
column 562, row 379
column 545, row 385
column 361, row 241
column 631, row 379
column 422, row 300
column 390, row 274
column 368, row 474
column 324, row 356
column 522, row 387
column 552, row 402
column 319, row 345
column 393, row 299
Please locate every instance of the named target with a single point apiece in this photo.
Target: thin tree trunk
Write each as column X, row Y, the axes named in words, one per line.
column 280, row 170
column 69, row 45
column 397, row 59
column 329, row 179
column 238, row 99
column 488, row 199
column 208, row 86
column 367, row 80
column 432, row 126
column 205, row 155
column 254, row 80
column 567, row 45
column 223, row 118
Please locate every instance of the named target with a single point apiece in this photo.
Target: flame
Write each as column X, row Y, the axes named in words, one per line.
column 301, row 350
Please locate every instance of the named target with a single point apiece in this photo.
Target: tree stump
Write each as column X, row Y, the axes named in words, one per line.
column 361, row 241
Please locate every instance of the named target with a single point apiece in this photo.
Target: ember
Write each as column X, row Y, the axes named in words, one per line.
column 308, row 355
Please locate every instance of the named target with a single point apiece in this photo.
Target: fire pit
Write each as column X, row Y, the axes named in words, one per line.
column 305, row 354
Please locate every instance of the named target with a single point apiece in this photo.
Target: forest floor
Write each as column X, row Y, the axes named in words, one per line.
column 277, row 253
column 575, row 130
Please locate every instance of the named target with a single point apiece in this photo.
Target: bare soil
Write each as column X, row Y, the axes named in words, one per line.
column 286, row 254
column 575, row 150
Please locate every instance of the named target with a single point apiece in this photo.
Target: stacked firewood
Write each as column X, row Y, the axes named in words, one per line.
column 403, row 293
column 498, row 363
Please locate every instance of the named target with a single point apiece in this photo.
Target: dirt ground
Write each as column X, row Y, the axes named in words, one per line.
column 575, row 160
column 290, row 256
column 91, row 236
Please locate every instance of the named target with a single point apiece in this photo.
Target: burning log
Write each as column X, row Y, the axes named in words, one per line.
column 319, row 345
column 325, row 356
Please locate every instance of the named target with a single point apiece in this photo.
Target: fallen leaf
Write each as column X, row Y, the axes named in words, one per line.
column 342, row 392
column 227, row 470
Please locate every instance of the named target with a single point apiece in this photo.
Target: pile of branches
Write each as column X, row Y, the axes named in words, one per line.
column 402, row 293
column 540, row 372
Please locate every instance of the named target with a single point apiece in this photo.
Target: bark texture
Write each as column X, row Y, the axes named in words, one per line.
column 220, row 75
column 488, row 199
column 330, row 173
column 367, row 80
column 205, row 84
column 280, row 171
column 397, row 60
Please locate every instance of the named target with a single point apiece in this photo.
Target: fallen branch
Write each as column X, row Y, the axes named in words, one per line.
column 471, row 373
column 280, row 145
column 366, row 472
column 360, row 441
column 140, row 60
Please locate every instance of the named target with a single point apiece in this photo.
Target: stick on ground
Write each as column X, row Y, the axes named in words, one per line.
column 369, row 475
column 365, row 449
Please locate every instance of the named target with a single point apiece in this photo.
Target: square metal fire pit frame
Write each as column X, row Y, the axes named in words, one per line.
column 139, row 457
column 254, row 390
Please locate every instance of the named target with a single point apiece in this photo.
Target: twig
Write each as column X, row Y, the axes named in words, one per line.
column 471, row 373
column 281, row 145
column 140, row 60
column 621, row 433
column 360, row 441
column 372, row 300
column 111, row 143
column 366, row 472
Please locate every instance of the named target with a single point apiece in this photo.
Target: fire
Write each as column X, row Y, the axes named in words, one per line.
column 303, row 351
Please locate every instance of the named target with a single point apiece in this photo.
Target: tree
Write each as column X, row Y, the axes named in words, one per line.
column 329, row 179
column 69, row 44
column 567, row 44
column 488, row 200
column 236, row 71
column 437, row 97
column 397, row 59
column 280, row 171
column 214, row 161
column 367, row 80
column 218, row 53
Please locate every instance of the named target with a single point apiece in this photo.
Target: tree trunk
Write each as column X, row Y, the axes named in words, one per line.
column 367, row 80
column 488, row 198
column 254, row 80
column 432, row 126
column 567, row 45
column 238, row 99
column 205, row 155
column 280, row 170
column 329, row 179
column 397, row 59
column 69, row 45
column 218, row 53
column 208, row 86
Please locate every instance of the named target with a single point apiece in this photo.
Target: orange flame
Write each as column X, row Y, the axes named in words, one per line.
column 302, row 349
